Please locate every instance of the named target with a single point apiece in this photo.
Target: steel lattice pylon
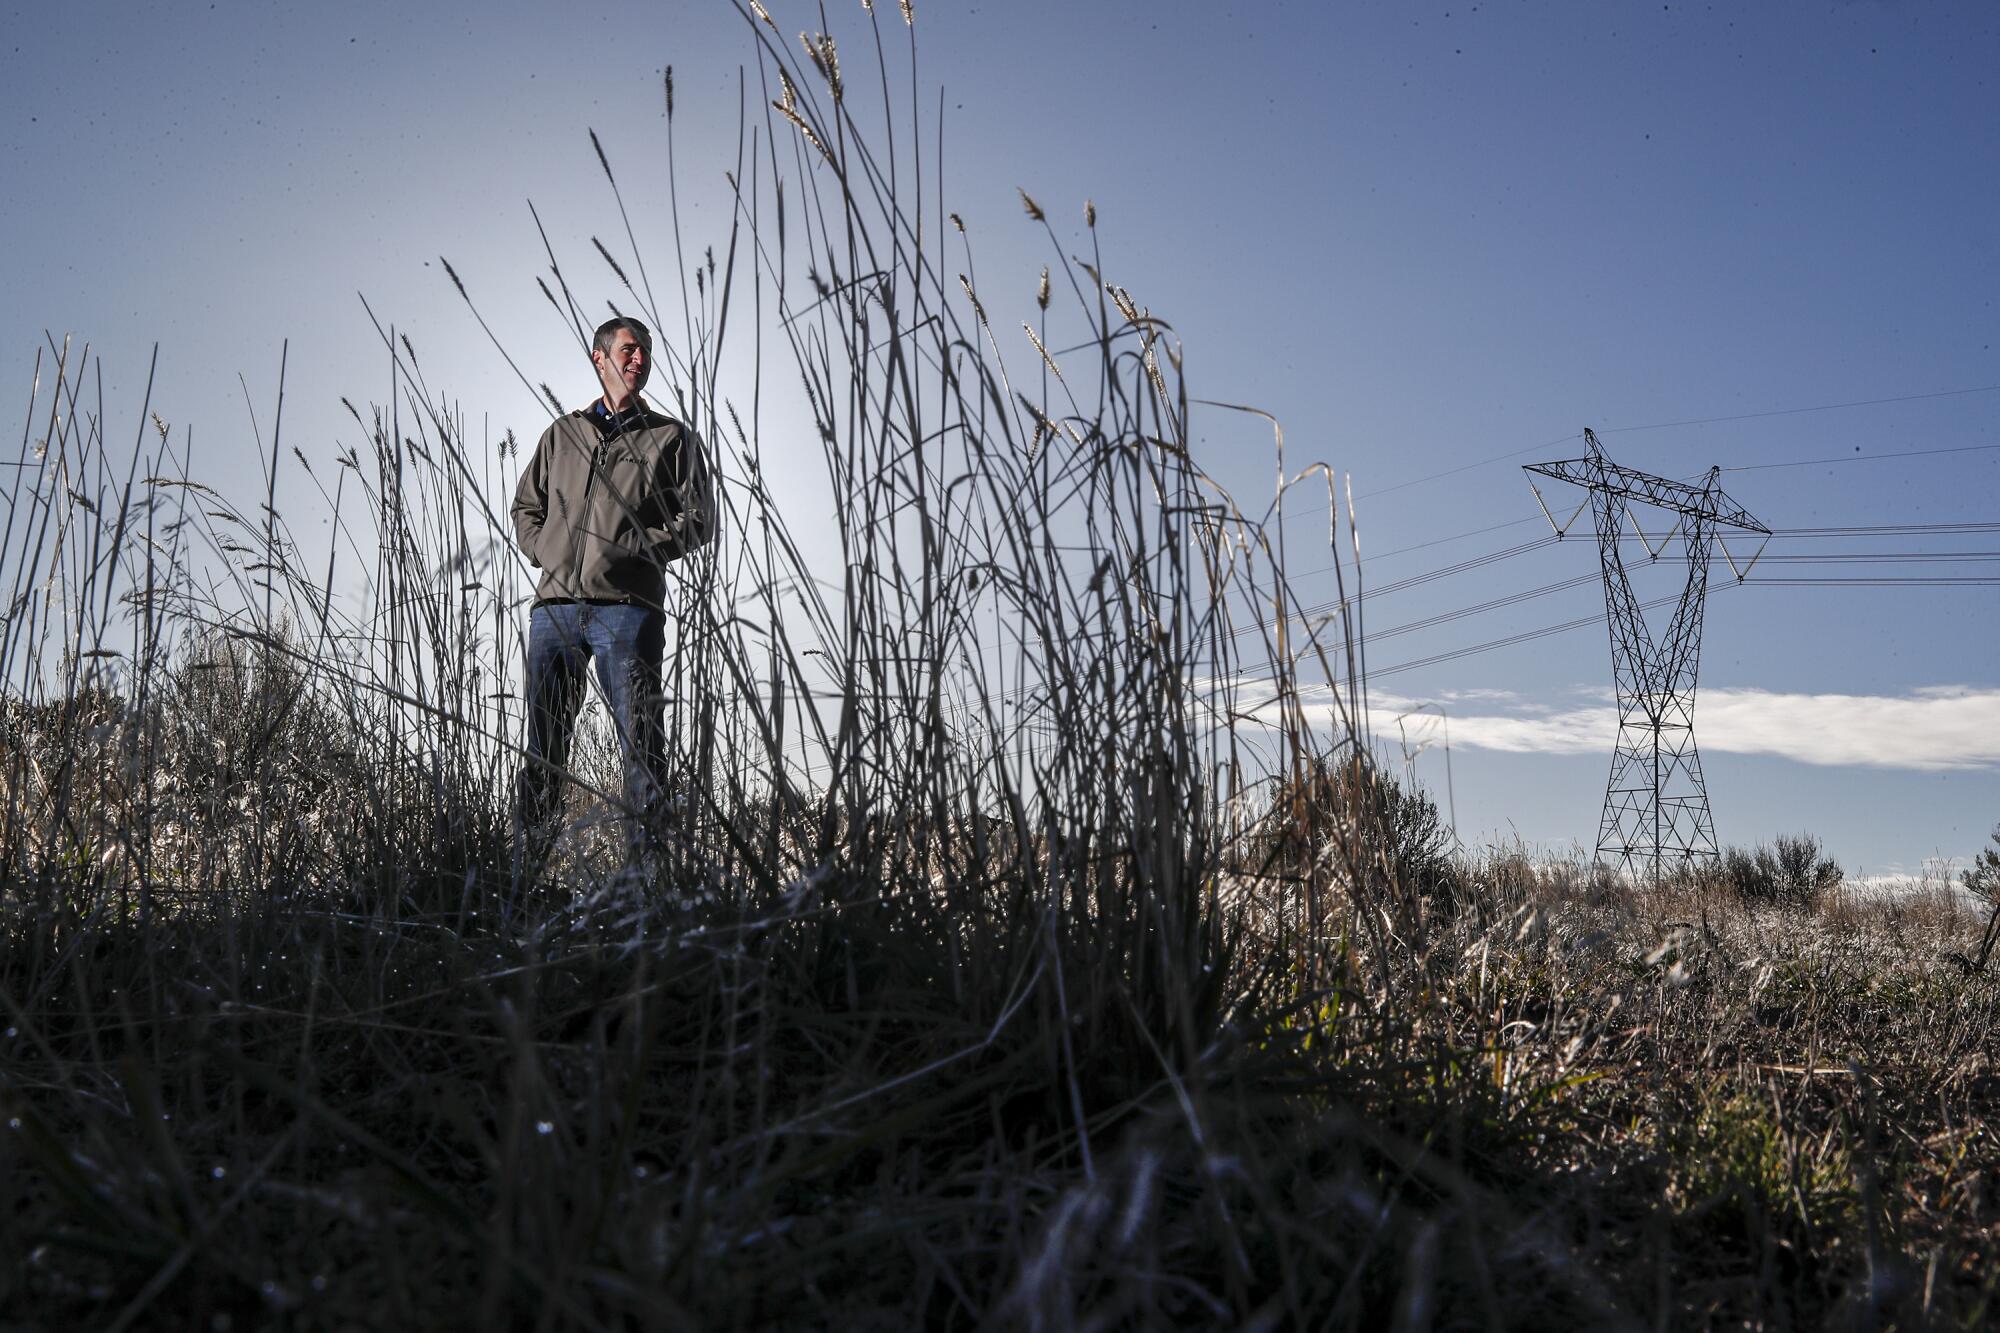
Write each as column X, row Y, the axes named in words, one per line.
column 1655, row 803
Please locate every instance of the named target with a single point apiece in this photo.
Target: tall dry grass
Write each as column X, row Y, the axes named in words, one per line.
column 1025, row 953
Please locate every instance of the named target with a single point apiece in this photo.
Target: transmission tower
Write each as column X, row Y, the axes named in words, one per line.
column 1655, row 802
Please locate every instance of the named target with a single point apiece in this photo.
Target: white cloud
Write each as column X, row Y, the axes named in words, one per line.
column 1932, row 728
column 1935, row 728
column 1484, row 696
column 1576, row 731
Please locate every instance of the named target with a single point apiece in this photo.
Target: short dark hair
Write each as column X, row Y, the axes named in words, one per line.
column 607, row 333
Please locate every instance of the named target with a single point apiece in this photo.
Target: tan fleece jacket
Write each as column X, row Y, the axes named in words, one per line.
column 602, row 508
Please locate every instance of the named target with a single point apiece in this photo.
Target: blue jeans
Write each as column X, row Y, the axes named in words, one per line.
column 627, row 644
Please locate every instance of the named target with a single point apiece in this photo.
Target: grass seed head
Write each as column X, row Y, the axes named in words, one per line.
column 787, row 106
column 1152, row 364
column 613, row 262
column 1123, row 300
column 602, row 160
column 1047, row 360
column 977, row 309
column 820, row 48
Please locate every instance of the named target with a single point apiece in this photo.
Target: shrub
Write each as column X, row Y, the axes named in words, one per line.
column 1792, row 875
column 1353, row 821
column 1982, row 878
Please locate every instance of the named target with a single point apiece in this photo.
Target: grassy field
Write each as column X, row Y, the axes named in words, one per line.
column 1026, row 953
column 1577, row 1106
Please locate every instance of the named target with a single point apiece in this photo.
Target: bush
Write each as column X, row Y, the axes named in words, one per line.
column 1793, row 875
column 1350, row 819
column 1982, row 878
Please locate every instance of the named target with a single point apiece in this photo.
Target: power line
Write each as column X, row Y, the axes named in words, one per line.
column 1876, row 530
column 1711, row 421
column 1452, row 472
column 1521, row 548
column 1797, row 411
column 1440, row 541
column 1794, row 558
column 1494, row 604
column 1866, row 458
column 1881, row 557
column 1884, row 581
column 1903, row 529
column 1597, row 617
column 1579, row 580
column 1506, row 641
column 1403, row 585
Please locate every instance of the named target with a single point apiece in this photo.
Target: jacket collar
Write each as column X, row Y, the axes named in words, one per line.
column 611, row 424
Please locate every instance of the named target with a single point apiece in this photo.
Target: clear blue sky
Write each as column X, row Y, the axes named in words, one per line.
column 1423, row 237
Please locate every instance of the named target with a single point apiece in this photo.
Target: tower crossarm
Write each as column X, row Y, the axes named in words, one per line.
column 1598, row 473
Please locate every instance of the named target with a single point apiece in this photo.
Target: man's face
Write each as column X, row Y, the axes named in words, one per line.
column 623, row 370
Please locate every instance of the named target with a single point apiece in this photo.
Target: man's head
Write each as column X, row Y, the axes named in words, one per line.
column 623, row 354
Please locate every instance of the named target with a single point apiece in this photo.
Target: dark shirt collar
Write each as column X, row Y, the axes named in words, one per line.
column 611, row 423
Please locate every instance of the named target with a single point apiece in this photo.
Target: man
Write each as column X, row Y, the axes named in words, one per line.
column 613, row 493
